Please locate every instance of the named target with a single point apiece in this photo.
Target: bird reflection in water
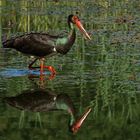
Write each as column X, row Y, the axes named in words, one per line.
column 45, row 100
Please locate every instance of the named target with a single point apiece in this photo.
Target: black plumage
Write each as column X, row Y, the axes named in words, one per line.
column 40, row 44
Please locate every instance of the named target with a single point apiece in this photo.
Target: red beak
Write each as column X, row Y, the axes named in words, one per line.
column 81, row 28
column 76, row 126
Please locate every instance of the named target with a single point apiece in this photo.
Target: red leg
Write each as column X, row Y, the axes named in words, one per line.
column 42, row 67
column 51, row 69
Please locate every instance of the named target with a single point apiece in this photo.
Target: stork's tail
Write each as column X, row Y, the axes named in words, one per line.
column 8, row 43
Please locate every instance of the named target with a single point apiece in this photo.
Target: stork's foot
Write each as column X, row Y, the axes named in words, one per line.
column 42, row 69
column 51, row 69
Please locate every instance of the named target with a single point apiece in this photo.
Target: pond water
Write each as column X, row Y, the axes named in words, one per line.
column 103, row 74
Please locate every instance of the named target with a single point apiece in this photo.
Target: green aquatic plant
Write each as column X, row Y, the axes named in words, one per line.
column 102, row 74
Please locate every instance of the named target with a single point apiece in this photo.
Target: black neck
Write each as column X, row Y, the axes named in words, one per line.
column 65, row 44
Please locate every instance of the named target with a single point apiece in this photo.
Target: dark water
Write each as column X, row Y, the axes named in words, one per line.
column 103, row 73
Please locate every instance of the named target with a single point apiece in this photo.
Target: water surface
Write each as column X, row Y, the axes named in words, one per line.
column 102, row 73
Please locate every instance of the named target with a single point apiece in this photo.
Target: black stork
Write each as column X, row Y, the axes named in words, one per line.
column 41, row 45
column 41, row 100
